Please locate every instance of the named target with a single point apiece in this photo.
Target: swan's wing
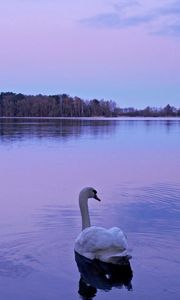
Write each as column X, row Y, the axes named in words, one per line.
column 98, row 242
column 119, row 238
column 92, row 239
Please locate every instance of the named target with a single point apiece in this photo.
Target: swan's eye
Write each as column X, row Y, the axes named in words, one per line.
column 95, row 192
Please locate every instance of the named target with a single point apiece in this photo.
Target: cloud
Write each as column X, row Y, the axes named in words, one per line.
column 122, row 4
column 171, row 9
column 125, row 14
column 114, row 20
column 169, row 30
column 170, row 16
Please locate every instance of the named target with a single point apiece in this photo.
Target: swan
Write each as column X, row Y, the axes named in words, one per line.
column 107, row 245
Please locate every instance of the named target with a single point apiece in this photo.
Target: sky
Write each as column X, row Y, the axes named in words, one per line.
column 122, row 50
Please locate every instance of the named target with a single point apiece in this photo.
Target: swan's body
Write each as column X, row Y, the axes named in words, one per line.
column 108, row 245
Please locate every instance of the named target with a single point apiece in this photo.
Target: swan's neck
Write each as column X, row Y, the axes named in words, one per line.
column 83, row 204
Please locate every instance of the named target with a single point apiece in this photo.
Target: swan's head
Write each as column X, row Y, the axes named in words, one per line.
column 89, row 192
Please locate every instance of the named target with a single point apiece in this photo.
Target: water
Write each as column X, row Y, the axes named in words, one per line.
column 134, row 165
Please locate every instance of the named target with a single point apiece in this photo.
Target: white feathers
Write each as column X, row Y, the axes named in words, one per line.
column 100, row 243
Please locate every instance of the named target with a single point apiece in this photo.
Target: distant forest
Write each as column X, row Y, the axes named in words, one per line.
column 19, row 105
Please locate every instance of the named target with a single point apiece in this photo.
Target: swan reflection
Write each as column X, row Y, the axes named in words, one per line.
column 95, row 274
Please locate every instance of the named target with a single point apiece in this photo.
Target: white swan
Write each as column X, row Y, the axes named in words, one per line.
column 108, row 245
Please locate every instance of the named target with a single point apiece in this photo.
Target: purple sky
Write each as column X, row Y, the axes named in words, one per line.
column 124, row 50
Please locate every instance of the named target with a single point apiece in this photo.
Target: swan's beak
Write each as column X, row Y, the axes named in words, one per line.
column 96, row 197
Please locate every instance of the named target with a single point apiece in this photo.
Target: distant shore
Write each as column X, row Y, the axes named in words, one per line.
column 64, row 106
column 92, row 118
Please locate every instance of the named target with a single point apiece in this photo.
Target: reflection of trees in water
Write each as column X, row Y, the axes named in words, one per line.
column 166, row 124
column 151, row 124
column 95, row 275
column 20, row 129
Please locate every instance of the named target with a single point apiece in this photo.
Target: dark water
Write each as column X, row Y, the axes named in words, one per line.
column 134, row 165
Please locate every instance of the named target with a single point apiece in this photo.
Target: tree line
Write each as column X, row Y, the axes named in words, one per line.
column 19, row 105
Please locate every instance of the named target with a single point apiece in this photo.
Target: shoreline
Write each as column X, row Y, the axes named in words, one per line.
column 92, row 118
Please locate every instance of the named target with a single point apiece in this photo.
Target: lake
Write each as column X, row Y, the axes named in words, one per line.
column 134, row 164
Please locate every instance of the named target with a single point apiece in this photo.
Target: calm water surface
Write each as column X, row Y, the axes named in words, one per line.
column 134, row 165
